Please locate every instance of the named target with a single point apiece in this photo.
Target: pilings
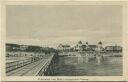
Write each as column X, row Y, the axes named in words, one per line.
column 98, row 57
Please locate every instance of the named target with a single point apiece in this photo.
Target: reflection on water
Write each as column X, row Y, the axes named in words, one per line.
column 80, row 60
column 77, row 66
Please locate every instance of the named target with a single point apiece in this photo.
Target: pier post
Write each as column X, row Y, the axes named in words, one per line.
column 86, row 58
column 98, row 59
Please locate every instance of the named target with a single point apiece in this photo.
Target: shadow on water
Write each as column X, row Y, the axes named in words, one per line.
column 77, row 66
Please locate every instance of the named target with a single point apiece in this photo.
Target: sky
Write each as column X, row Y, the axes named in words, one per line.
column 50, row 25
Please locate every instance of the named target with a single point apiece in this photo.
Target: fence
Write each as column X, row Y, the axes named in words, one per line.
column 20, row 63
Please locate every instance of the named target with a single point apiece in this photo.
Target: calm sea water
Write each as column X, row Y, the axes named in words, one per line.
column 77, row 66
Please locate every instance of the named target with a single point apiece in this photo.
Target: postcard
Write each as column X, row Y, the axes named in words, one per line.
column 64, row 41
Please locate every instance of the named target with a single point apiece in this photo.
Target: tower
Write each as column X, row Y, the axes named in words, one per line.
column 99, row 46
column 87, row 46
column 80, row 45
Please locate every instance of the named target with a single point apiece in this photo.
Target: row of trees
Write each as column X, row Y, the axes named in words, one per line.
column 28, row 48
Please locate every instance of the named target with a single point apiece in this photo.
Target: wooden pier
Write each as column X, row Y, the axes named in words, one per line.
column 33, row 66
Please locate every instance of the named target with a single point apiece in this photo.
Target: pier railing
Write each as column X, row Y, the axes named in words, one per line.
column 44, row 69
column 20, row 63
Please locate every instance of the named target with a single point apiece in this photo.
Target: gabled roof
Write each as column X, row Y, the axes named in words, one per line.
column 80, row 42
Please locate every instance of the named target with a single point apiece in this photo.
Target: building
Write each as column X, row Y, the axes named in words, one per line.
column 79, row 46
column 92, row 47
column 100, row 47
column 84, row 47
column 12, row 47
column 62, row 47
column 15, row 50
column 113, row 48
column 23, row 47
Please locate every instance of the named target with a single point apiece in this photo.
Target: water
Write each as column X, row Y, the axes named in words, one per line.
column 77, row 66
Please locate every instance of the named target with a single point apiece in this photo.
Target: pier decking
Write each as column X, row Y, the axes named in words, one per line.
column 33, row 69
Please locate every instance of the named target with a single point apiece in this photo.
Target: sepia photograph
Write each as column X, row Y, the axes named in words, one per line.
column 64, row 40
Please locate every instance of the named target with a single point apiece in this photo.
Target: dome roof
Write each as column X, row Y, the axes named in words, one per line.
column 100, row 42
column 80, row 42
